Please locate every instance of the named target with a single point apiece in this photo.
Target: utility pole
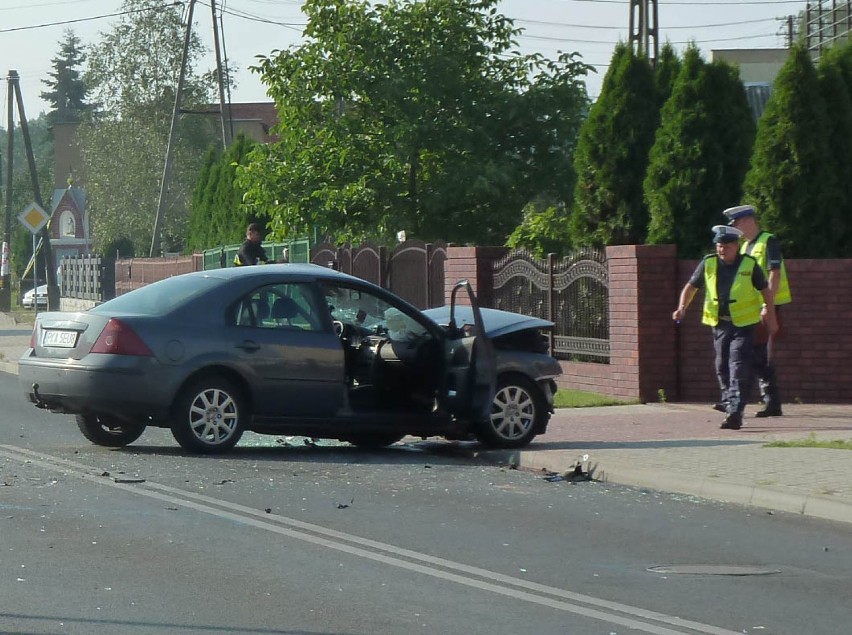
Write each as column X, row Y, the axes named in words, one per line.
column 224, row 109
column 644, row 24
column 167, row 168
column 44, row 239
column 6, row 284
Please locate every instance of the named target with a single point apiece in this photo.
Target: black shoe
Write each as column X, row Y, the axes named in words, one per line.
column 719, row 406
column 769, row 411
column 733, row 421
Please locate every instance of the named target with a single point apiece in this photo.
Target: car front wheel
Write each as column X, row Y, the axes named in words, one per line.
column 109, row 431
column 209, row 416
column 517, row 412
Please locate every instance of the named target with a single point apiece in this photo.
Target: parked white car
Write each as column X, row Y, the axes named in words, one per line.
column 41, row 297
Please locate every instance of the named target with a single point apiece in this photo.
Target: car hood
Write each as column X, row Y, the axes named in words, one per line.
column 495, row 321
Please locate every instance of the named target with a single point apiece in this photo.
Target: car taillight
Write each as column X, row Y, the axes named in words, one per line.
column 118, row 338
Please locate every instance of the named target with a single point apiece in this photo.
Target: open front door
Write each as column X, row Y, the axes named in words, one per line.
column 470, row 379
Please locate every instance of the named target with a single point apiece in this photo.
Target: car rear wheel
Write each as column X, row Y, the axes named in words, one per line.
column 109, row 431
column 209, row 416
column 517, row 412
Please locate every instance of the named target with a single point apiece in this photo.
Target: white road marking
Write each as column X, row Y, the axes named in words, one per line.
column 475, row 577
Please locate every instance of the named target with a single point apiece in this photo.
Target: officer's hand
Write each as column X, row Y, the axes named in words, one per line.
column 677, row 315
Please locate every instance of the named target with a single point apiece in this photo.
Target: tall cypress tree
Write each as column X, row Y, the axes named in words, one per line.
column 700, row 155
column 198, row 226
column 612, row 155
column 791, row 180
column 835, row 91
column 666, row 71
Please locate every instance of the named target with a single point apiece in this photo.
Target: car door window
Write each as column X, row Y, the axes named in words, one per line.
column 367, row 313
column 279, row 306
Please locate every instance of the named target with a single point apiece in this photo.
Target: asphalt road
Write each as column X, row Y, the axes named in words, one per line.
column 281, row 537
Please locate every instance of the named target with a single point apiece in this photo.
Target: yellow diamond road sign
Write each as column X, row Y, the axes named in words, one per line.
column 34, row 217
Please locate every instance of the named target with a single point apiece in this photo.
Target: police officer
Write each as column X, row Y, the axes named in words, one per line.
column 733, row 284
column 251, row 252
column 765, row 248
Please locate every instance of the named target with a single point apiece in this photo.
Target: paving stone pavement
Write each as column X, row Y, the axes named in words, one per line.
column 672, row 447
column 680, row 448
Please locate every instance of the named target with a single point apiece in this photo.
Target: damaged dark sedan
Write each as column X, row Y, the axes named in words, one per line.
column 289, row 349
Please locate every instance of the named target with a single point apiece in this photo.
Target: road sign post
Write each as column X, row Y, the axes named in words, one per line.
column 34, row 218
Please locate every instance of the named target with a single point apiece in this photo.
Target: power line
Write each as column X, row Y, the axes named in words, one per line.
column 89, row 19
column 714, row 3
column 668, row 28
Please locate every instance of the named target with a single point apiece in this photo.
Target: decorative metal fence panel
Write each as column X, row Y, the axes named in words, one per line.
column 88, row 277
column 572, row 292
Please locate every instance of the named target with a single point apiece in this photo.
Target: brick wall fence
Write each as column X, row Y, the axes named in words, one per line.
column 650, row 356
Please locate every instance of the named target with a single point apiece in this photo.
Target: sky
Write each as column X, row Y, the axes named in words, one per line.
column 30, row 32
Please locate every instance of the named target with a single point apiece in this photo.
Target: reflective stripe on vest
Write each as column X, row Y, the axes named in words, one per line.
column 745, row 301
column 758, row 252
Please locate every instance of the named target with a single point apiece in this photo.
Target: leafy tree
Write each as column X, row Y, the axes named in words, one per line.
column 612, row 155
column 415, row 116
column 835, row 91
column 132, row 74
column 543, row 230
column 66, row 90
column 700, row 154
column 790, row 181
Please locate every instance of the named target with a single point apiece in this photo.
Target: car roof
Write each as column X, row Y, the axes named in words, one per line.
column 296, row 269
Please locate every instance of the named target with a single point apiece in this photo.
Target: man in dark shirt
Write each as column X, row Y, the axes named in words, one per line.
column 251, row 252
column 733, row 284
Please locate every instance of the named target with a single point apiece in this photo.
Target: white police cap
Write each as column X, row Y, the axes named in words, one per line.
column 726, row 234
column 740, row 211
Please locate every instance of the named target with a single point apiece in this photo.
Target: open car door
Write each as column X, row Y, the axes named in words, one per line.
column 470, row 378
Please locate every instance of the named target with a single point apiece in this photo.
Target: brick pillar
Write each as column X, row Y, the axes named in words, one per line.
column 642, row 294
column 473, row 264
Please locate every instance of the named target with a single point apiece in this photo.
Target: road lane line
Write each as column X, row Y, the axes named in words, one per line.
column 365, row 548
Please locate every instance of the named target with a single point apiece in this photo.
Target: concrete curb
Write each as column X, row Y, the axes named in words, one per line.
column 9, row 367
column 607, row 470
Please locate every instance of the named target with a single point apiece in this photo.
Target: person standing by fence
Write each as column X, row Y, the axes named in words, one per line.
column 733, row 284
column 251, row 252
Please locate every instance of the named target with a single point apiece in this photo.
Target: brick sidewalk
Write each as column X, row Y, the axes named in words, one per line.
column 680, row 448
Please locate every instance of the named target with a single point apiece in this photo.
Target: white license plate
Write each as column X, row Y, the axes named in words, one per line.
column 59, row 339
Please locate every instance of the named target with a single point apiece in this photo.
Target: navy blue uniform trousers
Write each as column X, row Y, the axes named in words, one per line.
column 733, row 346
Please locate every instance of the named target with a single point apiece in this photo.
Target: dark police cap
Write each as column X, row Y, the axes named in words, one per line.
column 740, row 211
column 726, row 234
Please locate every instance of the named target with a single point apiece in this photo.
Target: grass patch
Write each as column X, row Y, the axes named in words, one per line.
column 813, row 442
column 581, row 399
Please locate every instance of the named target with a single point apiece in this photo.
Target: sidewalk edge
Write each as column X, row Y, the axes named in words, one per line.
column 712, row 488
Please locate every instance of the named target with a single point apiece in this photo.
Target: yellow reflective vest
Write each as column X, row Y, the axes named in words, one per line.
column 745, row 301
column 758, row 252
